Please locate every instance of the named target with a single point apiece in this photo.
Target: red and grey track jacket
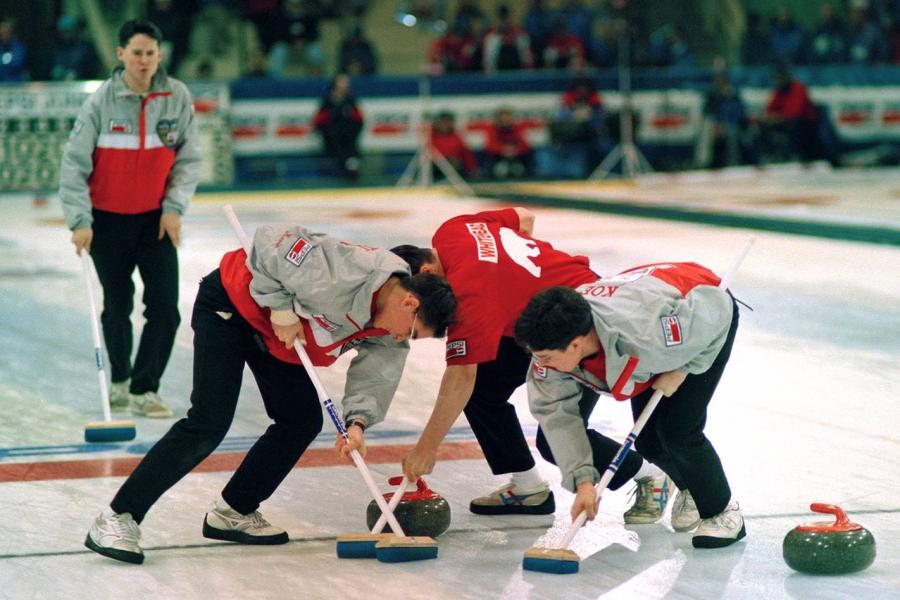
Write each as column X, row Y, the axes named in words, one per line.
column 331, row 285
column 649, row 320
column 131, row 153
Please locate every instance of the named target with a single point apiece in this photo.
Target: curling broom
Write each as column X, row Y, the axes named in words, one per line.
column 106, row 430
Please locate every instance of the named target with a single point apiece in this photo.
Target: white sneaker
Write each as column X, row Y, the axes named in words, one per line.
column 119, row 398
column 510, row 500
column 722, row 530
column 231, row 526
column 116, row 536
column 149, row 404
column 685, row 515
column 651, row 496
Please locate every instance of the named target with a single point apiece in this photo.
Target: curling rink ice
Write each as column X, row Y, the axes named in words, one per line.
column 807, row 410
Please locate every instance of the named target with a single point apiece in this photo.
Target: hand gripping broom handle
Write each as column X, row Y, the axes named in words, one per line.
column 95, row 332
column 323, row 396
column 626, row 446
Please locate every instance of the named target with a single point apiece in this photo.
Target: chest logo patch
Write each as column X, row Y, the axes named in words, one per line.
column 298, row 251
column 120, row 126
column 671, row 331
column 167, row 130
column 456, row 349
column 326, row 324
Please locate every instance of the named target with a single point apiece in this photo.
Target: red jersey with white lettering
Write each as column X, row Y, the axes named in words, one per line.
column 494, row 271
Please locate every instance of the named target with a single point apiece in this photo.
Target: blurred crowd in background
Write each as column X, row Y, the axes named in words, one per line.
column 224, row 40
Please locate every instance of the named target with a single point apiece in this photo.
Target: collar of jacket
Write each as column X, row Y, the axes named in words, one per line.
column 159, row 83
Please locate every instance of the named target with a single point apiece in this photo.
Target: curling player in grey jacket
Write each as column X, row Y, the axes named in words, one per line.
column 334, row 296
column 663, row 326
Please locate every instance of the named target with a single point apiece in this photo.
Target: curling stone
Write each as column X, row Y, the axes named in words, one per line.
column 420, row 513
column 829, row 548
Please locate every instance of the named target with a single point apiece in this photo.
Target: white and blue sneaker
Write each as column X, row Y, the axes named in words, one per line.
column 510, row 500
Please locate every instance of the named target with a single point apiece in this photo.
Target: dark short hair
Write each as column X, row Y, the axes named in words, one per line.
column 414, row 256
column 131, row 28
column 437, row 304
column 552, row 319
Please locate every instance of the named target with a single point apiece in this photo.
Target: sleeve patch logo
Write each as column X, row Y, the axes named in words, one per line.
column 298, row 251
column 539, row 371
column 671, row 331
column 456, row 349
column 120, row 126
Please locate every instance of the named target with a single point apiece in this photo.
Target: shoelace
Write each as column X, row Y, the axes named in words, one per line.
column 257, row 519
column 724, row 519
column 125, row 528
column 151, row 398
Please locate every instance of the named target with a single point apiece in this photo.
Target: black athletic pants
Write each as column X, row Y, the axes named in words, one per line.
column 223, row 343
column 673, row 438
column 121, row 243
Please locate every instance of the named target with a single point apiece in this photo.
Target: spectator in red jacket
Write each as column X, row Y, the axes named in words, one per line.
column 507, row 152
column 563, row 50
column 446, row 141
column 339, row 121
column 791, row 119
column 506, row 46
column 456, row 51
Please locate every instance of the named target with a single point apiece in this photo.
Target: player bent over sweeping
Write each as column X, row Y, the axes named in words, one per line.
column 495, row 266
column 661, row 326
column 334, row 296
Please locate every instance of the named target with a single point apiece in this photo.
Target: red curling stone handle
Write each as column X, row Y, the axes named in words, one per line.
column 841, row 523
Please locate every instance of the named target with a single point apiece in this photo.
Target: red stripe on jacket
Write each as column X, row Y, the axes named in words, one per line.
column 596, row 366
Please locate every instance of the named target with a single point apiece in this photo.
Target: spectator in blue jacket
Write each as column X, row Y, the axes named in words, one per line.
column 12, row 53
column 828, row 44
column 868, row 44
column 725, row 135
column 357, row 54
column 786, row 37
column 73, row 57
column 537, row 22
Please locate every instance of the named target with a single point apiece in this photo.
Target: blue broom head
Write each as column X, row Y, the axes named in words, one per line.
column 406, row 549
column 558, row 562
column 356, row 549
column 357, row 546
column 110, row 431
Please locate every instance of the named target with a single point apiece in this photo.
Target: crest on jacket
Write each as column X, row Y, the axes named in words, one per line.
column 167, row 130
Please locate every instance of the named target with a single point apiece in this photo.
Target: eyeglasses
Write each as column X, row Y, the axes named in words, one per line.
column 412, row 330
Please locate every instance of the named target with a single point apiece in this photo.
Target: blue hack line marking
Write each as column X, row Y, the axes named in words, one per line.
column 229, row 444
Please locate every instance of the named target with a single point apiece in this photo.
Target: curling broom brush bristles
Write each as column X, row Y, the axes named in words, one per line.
column 560, row 561
column 359, row 545
column 110, row 431
column 406, row 549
